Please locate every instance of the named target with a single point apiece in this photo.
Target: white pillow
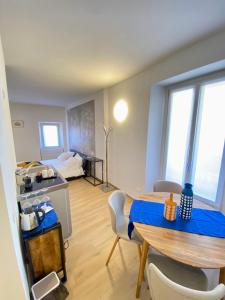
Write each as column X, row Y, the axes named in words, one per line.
column 65, row 155
column 73, row 162
column 77, row 156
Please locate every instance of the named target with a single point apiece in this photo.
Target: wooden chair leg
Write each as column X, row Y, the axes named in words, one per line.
column 139, row 251
column 112, row 250
column 144, row 254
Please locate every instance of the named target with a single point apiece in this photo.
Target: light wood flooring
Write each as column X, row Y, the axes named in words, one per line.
column 90, row 244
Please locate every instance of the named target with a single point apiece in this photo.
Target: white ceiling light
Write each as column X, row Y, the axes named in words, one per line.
column 120, row 110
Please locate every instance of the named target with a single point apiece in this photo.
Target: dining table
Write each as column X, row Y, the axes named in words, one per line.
column 196, row 250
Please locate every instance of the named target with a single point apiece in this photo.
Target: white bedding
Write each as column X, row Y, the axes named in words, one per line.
column 68, row 168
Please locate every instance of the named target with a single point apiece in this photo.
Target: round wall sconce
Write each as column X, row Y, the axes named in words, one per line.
column 120, row 111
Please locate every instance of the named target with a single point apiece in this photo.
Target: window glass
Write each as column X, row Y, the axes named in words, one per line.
column 210, row 140
column 181, row 104
column 50, row 135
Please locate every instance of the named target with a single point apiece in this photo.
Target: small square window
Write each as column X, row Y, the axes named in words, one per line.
column 50, row 135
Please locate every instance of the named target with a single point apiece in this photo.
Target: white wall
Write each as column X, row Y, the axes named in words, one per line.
column 128, row 140
column 155, row 136
column 13, row 283
column 27, row 142
column 127, row 148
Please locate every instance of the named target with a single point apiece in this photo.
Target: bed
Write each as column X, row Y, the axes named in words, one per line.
column 70, row 165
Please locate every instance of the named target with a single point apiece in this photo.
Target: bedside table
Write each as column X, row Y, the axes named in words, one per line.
column 91, row 170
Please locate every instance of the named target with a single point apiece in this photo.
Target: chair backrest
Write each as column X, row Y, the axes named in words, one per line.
column 162, row 287
column 116, row 206
column 167, row 186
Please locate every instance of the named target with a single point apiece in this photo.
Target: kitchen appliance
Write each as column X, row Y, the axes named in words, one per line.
column 27, row 183
column 39, row 177
column 32, row 218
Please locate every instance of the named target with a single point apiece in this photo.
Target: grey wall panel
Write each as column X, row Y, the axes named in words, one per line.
column 81, row 122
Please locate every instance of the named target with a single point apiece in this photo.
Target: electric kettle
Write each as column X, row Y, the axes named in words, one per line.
column 32, row 219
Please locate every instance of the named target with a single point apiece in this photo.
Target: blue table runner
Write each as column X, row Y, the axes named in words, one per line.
column 203, row 221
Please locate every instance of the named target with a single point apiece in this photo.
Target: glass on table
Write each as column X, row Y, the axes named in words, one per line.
column 45, row 198
column 26, row 207
column 36, row 202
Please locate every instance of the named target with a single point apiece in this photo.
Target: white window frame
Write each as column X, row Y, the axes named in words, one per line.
column 60, row 135
column 196, row 84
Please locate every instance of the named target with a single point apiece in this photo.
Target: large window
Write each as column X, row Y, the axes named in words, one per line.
column 50, row 135
column 195, row 139
column 181, row 105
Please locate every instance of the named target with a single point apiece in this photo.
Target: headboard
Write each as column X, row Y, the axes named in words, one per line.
column 85, row 162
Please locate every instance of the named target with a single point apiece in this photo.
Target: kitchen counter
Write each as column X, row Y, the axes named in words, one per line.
column 52, row 184
column 49, row 185
column 57, row 190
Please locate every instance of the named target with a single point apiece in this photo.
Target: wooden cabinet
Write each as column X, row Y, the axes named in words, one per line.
column 45, row 253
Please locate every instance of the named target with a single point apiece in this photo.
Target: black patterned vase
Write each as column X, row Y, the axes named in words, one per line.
column 186, row 202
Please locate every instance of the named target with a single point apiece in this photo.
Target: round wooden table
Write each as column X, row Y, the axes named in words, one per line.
column 192, row 249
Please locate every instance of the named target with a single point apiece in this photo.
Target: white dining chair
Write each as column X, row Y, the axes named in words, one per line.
column 120, row 222
column 161, row 287
column 167, row 187
column 180, row 273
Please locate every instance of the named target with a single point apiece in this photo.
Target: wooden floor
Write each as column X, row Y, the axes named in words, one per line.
column 92, row 239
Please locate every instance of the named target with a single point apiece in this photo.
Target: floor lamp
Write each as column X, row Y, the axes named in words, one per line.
column 106, row 187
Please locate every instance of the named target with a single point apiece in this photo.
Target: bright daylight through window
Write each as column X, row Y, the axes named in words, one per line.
column 50, row 135
column 195, row 138
column 180, row 121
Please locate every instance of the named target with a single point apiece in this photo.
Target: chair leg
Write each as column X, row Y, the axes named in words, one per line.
column 139, row 254
column 139, row 251
column 112, row 250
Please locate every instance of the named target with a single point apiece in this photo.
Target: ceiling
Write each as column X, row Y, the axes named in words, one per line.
column 62, row 50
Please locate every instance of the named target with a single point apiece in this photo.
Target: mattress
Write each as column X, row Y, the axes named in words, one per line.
column 67, row 168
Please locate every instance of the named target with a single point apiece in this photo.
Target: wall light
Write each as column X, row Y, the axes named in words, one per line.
column 120, row 110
